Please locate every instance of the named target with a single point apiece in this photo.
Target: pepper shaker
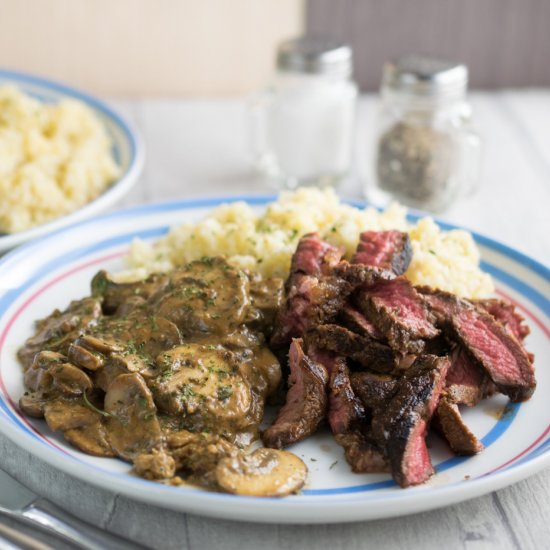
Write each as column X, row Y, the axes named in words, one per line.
column 303, row 124
column 426, row 152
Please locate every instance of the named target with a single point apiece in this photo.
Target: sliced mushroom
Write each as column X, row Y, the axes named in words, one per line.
column 105, row 376
column 203, row 385
column 90, row 439
column 132, row 343
column 46, row 359
column 59, row 329
column 265, row 472
column 33, row 404
column 129, row 362
column 205, row 296
column 84, row 358
column 198, row 455
column 65, row 414
column 69, row 380
column 132, row 423
column 101, row 345
column 36, row 376
column 116, row 294
column 155, row 465
column 81, row 425
column 157, row 334
column 131, row 305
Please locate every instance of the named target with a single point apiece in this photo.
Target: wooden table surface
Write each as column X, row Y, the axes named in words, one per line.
column 198, row 148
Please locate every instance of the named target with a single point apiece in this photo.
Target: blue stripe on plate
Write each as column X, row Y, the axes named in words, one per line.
column 517, row 284
column 54, row 264
column 495, row 433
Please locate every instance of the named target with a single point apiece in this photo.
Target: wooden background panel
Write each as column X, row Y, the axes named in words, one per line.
column 148, row 47
column 506, row 43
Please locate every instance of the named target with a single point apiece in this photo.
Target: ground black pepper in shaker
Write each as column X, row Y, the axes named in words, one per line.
column 425, row 153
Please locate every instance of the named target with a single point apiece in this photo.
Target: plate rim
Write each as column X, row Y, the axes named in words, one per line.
column 435, row 497
column 114, row 192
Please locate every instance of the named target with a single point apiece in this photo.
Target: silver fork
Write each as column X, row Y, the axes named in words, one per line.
column 19, row 502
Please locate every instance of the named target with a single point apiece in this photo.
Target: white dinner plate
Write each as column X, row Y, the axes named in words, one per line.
column 127, row 151
column 48, row 273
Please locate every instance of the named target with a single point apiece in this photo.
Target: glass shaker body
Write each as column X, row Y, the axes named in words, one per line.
column 304, row 129
column 426, row 153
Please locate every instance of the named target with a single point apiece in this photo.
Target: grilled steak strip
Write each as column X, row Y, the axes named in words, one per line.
column 374, row 390
column 389, row 250
column 353, row 319
column 506, row 313
column 360, row 275
column 501, row 354
column 399, row 312
column 347, row 416
column 466, row 383
column 400, row 428
column 314, row 256
column 449, row 422
column 492, row 346
column 312, row 295
column 306, row 401
column 361, row 453
column 344, row 409
column 369, row 353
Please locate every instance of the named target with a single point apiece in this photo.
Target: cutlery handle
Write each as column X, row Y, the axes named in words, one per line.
column 79, row 532
column 10, row 539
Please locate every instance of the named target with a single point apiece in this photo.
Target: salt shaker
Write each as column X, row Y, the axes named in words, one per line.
column 426, row 152
column 303, row 125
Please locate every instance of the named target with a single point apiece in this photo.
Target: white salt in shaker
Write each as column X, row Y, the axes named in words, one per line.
column 303, row 126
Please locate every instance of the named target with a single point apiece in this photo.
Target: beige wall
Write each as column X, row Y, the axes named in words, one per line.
column 148, row 47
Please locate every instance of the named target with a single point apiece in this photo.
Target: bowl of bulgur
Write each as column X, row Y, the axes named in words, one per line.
column 64, row 156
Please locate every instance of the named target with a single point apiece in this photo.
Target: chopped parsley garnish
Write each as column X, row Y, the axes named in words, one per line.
column 93, row 407
column 187, row 392
column 225, row 392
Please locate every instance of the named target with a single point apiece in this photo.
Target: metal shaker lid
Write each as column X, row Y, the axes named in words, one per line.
column 426, row 76
column 315, row 55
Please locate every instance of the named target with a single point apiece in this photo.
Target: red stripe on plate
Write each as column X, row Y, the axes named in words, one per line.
column 16, row 315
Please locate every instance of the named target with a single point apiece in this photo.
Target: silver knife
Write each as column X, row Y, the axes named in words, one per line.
column 18, row 502
column 11, row 539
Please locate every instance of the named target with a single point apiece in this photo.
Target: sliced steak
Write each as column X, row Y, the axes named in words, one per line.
column 347, row 416
column 359, row 275
column 466, row 383
column 399, row 312
column 362, row 454
column 492, row 346
column 500, row 354
column 353, row 319
column 314, row 256
column 442, row 305
column 344, row 408
column 449, row 422
column 312, row 295
column 505, row 312
column 400, row 428
column 390, row 250
column 309, row 303
column 369, row 353
column 374, row 390
column 306, row 401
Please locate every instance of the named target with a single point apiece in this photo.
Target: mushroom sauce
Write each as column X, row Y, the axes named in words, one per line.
column 171, row 373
